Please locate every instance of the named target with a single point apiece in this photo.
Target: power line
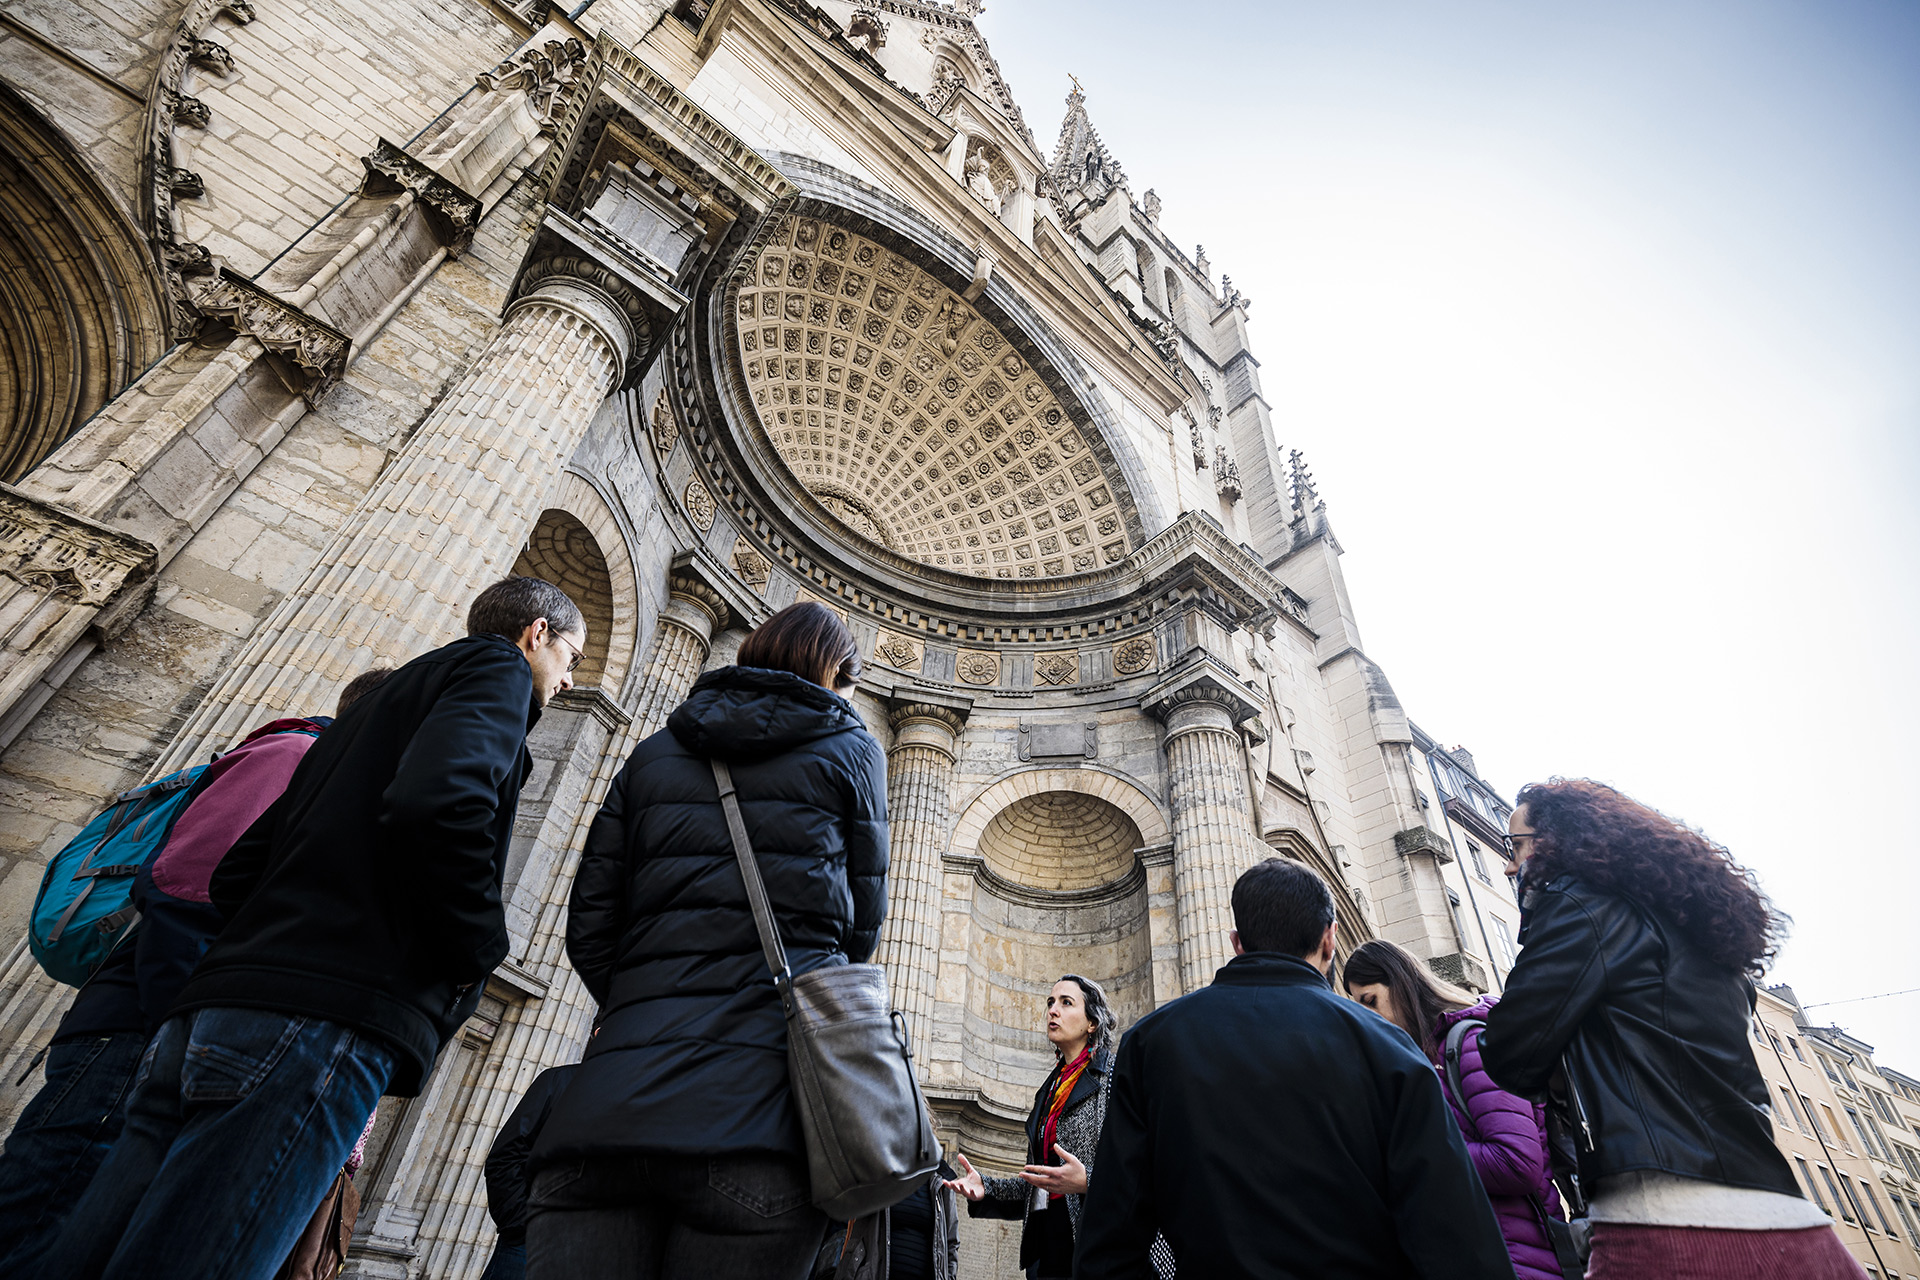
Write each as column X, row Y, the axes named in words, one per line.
column 1824, row 1004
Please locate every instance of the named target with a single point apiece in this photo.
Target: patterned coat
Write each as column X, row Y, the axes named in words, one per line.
column 1078, row 1130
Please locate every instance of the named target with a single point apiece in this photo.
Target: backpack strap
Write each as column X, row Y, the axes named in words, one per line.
column 1450, row 1066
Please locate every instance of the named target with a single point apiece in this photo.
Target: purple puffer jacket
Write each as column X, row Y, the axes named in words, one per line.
column 1507, row 1137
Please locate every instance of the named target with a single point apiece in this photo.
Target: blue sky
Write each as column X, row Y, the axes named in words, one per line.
column 1600, row 325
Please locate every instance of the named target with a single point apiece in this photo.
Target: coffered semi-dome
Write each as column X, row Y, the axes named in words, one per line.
column 912, row 419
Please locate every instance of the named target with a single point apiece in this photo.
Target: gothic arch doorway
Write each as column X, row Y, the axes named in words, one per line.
column 81, row 310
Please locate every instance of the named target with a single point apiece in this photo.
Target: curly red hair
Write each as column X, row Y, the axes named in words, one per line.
column 1620, row 846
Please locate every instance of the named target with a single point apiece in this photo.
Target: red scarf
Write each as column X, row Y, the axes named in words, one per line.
column 1062, row 1090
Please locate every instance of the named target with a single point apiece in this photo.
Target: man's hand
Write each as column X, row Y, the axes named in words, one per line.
column 968, row 1184
column 1069, row 1177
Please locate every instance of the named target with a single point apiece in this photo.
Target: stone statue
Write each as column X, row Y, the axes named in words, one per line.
column 980, row 182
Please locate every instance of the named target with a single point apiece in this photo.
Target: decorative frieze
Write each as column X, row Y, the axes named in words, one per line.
column 699, row 504
column 898, row 651
column 750, row 566
column 1058, row 668
column 1133, row 656
column 309, row 356
column 452, row 213
column 977, row 667
column 666, row 429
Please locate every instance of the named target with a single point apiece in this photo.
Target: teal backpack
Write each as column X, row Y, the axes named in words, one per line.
column 85, row 904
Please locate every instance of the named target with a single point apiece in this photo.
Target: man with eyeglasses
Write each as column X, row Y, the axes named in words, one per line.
column 362, row 918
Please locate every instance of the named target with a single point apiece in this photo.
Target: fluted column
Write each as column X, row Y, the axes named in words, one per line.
column 444, row 520
column 680, row 646
column 919, row 780
column 1213, row 836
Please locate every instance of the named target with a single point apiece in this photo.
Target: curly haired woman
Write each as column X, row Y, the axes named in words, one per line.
column 1641, row 940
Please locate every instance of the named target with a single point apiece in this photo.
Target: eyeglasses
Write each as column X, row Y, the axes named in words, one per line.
column 1507, row 841
column 579, row 655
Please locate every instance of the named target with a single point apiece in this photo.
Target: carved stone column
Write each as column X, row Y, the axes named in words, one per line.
column 919, row 781
column 680, row 645
column 1213, row 836
column 450, row 514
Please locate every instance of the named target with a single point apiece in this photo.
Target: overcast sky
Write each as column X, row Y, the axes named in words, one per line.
column 1600, row 325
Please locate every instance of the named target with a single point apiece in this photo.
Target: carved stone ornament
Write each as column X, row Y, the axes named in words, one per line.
column 1150, row 205
column 451, row 212
column 666, row 430
column 975, row 667
column 1226, row 474
column 868, row 25
column 49, row 551
column 1199, row 441
column 752, row 567
column 897, row 651
column 190, row 113
column 309, row 356
column 1132, row 656
column 549, row 76
column 1057, row 668
column 699, row 502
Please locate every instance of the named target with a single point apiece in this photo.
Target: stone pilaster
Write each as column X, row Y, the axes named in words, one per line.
column 919, row 781
column 447, row 517
column 1213, row 836
column 680, row 645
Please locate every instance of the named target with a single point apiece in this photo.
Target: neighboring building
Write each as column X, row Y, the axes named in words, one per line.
column 1848, row 1129
column 320, row 317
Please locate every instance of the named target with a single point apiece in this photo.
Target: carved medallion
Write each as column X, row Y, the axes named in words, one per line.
column 1131, row 657
column 897, row 651
column 975, row 667
column 699, row 502
column 1057, row 668
column 666, row 431
column 752, row 567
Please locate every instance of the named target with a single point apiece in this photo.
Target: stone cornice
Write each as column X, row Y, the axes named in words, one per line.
column 900, row 713
column 451, row 212
column 1012, row 891
column 565, row 249
column 309, row 355
column 593, row 700
column 54, row 551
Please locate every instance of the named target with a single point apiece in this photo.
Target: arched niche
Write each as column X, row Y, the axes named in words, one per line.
column 577, row 545
column 81, row 307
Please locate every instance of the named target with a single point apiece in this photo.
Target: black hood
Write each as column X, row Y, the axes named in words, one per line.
column 744, row 714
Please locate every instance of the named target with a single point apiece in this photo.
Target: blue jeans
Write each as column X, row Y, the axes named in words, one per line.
column 60, row 1140
column 509, row 1260
column 238, row 1124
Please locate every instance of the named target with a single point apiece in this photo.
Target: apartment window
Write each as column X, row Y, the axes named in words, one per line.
column 1826, row 1065
column 1866, row 1139
column 1833, row 1126
column 1792, row 1112
column 1459, row 920
column 1878, row 1212
column 1756, row 1032
column 1503, row 938
column 1774, row 1040
column 1813, row 1188
column 1795, row 1045
column 1900, row 1211
column 1882, row 1106
column 1839, row 1200
column 1806, row 1105
column 1479, row 862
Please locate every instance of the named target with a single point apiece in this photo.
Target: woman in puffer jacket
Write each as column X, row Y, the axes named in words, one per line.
column 1505, row 1134
column 675, row 1152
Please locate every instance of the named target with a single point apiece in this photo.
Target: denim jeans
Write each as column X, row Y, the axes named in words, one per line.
column 673, row 1218
column 509, row 1260
column 60, row 1140
column 238, row 1124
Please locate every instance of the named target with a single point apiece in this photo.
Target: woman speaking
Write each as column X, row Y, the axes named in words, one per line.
column 1065, row 1124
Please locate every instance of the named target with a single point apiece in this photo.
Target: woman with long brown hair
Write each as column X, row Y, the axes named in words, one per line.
column 1633, row 997
column 1506, row 1134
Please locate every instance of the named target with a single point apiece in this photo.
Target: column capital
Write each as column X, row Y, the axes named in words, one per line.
column 926, row 724
column 1201, row 684
column 636, row 302
column 694, row 605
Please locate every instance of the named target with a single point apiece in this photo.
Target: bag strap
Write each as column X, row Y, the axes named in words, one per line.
column 1450, row 1063
column 756, row 887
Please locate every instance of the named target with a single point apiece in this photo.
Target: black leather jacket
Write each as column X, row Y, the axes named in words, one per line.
column 1655, row 1040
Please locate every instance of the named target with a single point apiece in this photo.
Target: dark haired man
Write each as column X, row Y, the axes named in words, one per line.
column 363, row 916
column 1274, row 1131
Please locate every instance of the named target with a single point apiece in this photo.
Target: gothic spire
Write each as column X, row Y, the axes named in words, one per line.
column 1300, row 487
column 1081, row 162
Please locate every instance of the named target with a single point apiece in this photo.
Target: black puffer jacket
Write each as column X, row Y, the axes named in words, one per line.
column 1655, row 1037
column 690, row 1053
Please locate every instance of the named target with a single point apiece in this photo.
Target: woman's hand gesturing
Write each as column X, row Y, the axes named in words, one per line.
column 1069, row 1177
column 969, row 1183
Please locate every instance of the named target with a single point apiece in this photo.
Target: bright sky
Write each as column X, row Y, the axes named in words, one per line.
column 1600, row 325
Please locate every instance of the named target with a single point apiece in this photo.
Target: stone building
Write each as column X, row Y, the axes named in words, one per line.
column 1850, row 1130
column 319, row 317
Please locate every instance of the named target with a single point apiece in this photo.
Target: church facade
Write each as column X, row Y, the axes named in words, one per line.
column 319, row 318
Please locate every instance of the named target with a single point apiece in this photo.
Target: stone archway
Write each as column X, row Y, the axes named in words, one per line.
column 577, row 544
column 81, row 310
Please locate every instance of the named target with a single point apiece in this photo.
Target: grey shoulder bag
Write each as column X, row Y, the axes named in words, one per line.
column 869, row 1135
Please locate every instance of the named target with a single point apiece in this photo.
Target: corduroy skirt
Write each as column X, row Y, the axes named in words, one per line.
column 1631, row 1251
